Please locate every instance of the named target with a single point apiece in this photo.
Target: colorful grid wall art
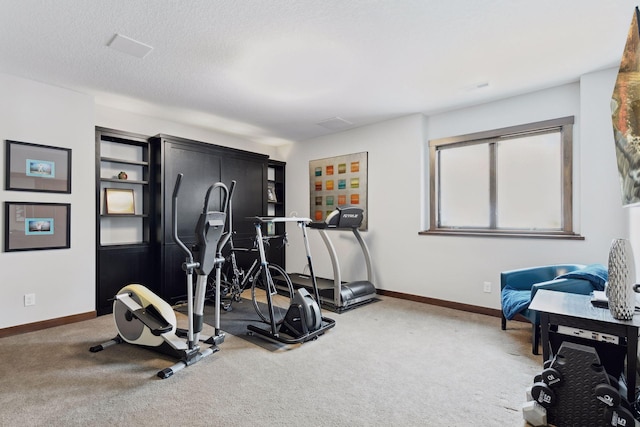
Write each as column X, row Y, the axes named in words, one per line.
column 336, row 182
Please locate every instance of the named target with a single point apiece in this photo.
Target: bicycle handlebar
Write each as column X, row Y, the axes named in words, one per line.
column 265, row 239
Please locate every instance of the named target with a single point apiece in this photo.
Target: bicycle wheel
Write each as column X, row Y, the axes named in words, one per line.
column 281, row 296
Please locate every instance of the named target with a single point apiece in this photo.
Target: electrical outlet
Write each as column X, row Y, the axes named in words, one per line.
column 487, row 287
column 29, row 299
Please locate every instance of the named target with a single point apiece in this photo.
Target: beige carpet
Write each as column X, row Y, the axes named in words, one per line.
column 394, row 362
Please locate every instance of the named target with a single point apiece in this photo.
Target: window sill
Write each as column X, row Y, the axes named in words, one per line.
column 498, row 233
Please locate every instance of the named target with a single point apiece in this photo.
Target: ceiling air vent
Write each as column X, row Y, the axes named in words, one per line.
column 129, row 46
column 335, row 123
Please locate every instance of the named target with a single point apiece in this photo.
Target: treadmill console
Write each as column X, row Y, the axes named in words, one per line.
column 345, row 217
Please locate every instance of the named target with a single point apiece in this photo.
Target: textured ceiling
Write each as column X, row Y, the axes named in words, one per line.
column 271, row 70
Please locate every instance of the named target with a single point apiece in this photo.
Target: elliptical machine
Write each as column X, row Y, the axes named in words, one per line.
column 145, row 319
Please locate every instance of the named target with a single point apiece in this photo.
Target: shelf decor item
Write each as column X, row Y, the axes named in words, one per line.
column 271, row 193
column 35, row 167
column 123, row 175
column 119, row 201
column 34, row 226
column 622, row 276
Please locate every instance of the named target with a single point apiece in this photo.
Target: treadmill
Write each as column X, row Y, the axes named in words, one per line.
column 336, row 295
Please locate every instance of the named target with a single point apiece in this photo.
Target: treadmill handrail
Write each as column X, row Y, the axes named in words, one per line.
column 367, row 255
column 337, row 279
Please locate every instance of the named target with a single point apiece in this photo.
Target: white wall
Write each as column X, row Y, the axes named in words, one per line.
column 602, row 215
column 449, row 267
column 63, row 280
column 131, row 122
column 442, row 267
column 393, row 199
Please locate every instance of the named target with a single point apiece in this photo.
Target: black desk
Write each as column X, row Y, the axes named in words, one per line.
column 576, row 311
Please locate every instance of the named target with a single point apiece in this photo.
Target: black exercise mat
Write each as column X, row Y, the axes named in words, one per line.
column 235, row 321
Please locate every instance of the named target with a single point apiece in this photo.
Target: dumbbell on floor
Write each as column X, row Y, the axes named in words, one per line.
column 534, row 413
column 619, row 416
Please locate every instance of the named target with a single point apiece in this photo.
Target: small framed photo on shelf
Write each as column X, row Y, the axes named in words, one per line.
column 271, row 228
column 271, row 193
column 35, row 167
column 34, row 226
column 119, row 201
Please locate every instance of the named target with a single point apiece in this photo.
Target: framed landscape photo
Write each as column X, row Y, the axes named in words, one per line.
column 119, row 201
column 35, row 226
column 35, row 167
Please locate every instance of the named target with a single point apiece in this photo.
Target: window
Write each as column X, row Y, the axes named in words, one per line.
column 515, row 181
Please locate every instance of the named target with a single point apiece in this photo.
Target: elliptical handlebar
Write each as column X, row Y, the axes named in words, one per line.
column 228, row 192
column 212, row 187
column 210, row 229
column 228, row 207
column 174, row 214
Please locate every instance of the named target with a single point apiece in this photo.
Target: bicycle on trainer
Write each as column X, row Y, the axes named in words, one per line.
column 237, row 279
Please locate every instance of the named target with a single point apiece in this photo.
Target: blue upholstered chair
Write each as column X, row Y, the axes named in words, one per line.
column 517, row 288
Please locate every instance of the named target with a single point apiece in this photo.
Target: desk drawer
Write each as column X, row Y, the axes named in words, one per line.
column 611, row 355
column 591, row 335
